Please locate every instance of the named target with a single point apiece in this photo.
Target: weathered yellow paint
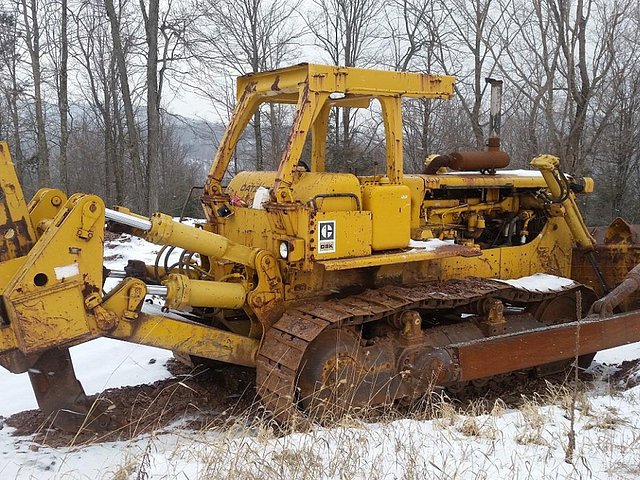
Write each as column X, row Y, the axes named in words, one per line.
column 550, row 252
column 351, row 232
column 45, row 298
column 392, row 118
column 171, row 332
column 310, row 87
column 191, row 338
column 8, row 340
column 412, row 256
column 356, row 81
column 8, row 269
column 17, row 234
column 166, row 231
column 45, row 205
column 319, row 131
column 340, row 230
column 390, row 207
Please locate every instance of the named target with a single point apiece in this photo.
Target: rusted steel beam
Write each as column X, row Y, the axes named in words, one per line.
column 496, row 355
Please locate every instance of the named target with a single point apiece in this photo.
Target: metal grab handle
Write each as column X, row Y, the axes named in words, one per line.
column 313, row 203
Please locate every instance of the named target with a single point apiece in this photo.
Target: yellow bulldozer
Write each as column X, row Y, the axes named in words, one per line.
column 340, row 290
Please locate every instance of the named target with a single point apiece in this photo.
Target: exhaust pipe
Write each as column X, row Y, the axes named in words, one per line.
column 486, row 161
column 493, row 143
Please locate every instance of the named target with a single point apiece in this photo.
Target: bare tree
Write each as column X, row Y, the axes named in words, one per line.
column 473, row 27
column 346, row 30
column 94, row 54
column 153, row 102
column 32, row 37
column 614, row 119
column 12, row 89
column 582, row 77
column 413, row 29
column 258, row 35
column 57, row 48
column 559, row 60
column 63, row 93
column 119, row 53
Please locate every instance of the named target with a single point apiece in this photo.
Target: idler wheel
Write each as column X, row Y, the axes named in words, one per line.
column 333, row 378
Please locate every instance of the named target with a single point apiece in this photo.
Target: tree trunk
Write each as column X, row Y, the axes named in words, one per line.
column 133, row 146
column 63, row 98
column 346, row 135
column 18, row 156
column 425, row 140
column 257, row 130
column 32, row 38
column 118, row 136
column 153, row 106
column 275, row 135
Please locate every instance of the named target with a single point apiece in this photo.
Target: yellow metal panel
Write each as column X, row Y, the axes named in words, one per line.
column 46, row 204
column 245, row 184
column 8, row 269
column 376, row 82
column 250, row 227
column 390, row 207
column 54, row 317
column 45, row 298
column 7, row 339
column 550, row 252
column 340, row 234
column 417, row 188
column 327, row 191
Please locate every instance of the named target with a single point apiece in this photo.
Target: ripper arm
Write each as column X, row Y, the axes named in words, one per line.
column 51, row 279
column 562, row 202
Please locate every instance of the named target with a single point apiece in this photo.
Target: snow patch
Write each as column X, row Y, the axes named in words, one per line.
column 508, row 445
column 619, row 354
column 428, row 245
column 261, row 196
column 540, row 282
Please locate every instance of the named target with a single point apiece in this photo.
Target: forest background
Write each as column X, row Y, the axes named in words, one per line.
column 128, row 98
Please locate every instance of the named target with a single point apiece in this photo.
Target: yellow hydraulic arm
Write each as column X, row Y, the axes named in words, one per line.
column 562, row 202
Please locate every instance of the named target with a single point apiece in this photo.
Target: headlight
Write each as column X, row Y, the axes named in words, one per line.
column 284, row 250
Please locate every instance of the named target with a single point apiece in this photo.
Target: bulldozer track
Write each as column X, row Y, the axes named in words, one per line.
column 285, row 343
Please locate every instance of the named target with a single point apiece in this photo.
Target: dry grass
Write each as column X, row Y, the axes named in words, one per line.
column 436, row 437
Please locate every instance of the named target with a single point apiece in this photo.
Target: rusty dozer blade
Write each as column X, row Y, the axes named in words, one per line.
column 600, row 330
column 61, row 396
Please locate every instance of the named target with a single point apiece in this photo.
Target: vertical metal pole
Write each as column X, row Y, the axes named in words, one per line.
column 493, row 143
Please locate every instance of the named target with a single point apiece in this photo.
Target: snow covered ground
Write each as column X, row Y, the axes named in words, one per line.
column 529, row 442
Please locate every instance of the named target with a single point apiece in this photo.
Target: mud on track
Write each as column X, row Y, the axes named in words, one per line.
column 195, row 398
column 206, row 397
